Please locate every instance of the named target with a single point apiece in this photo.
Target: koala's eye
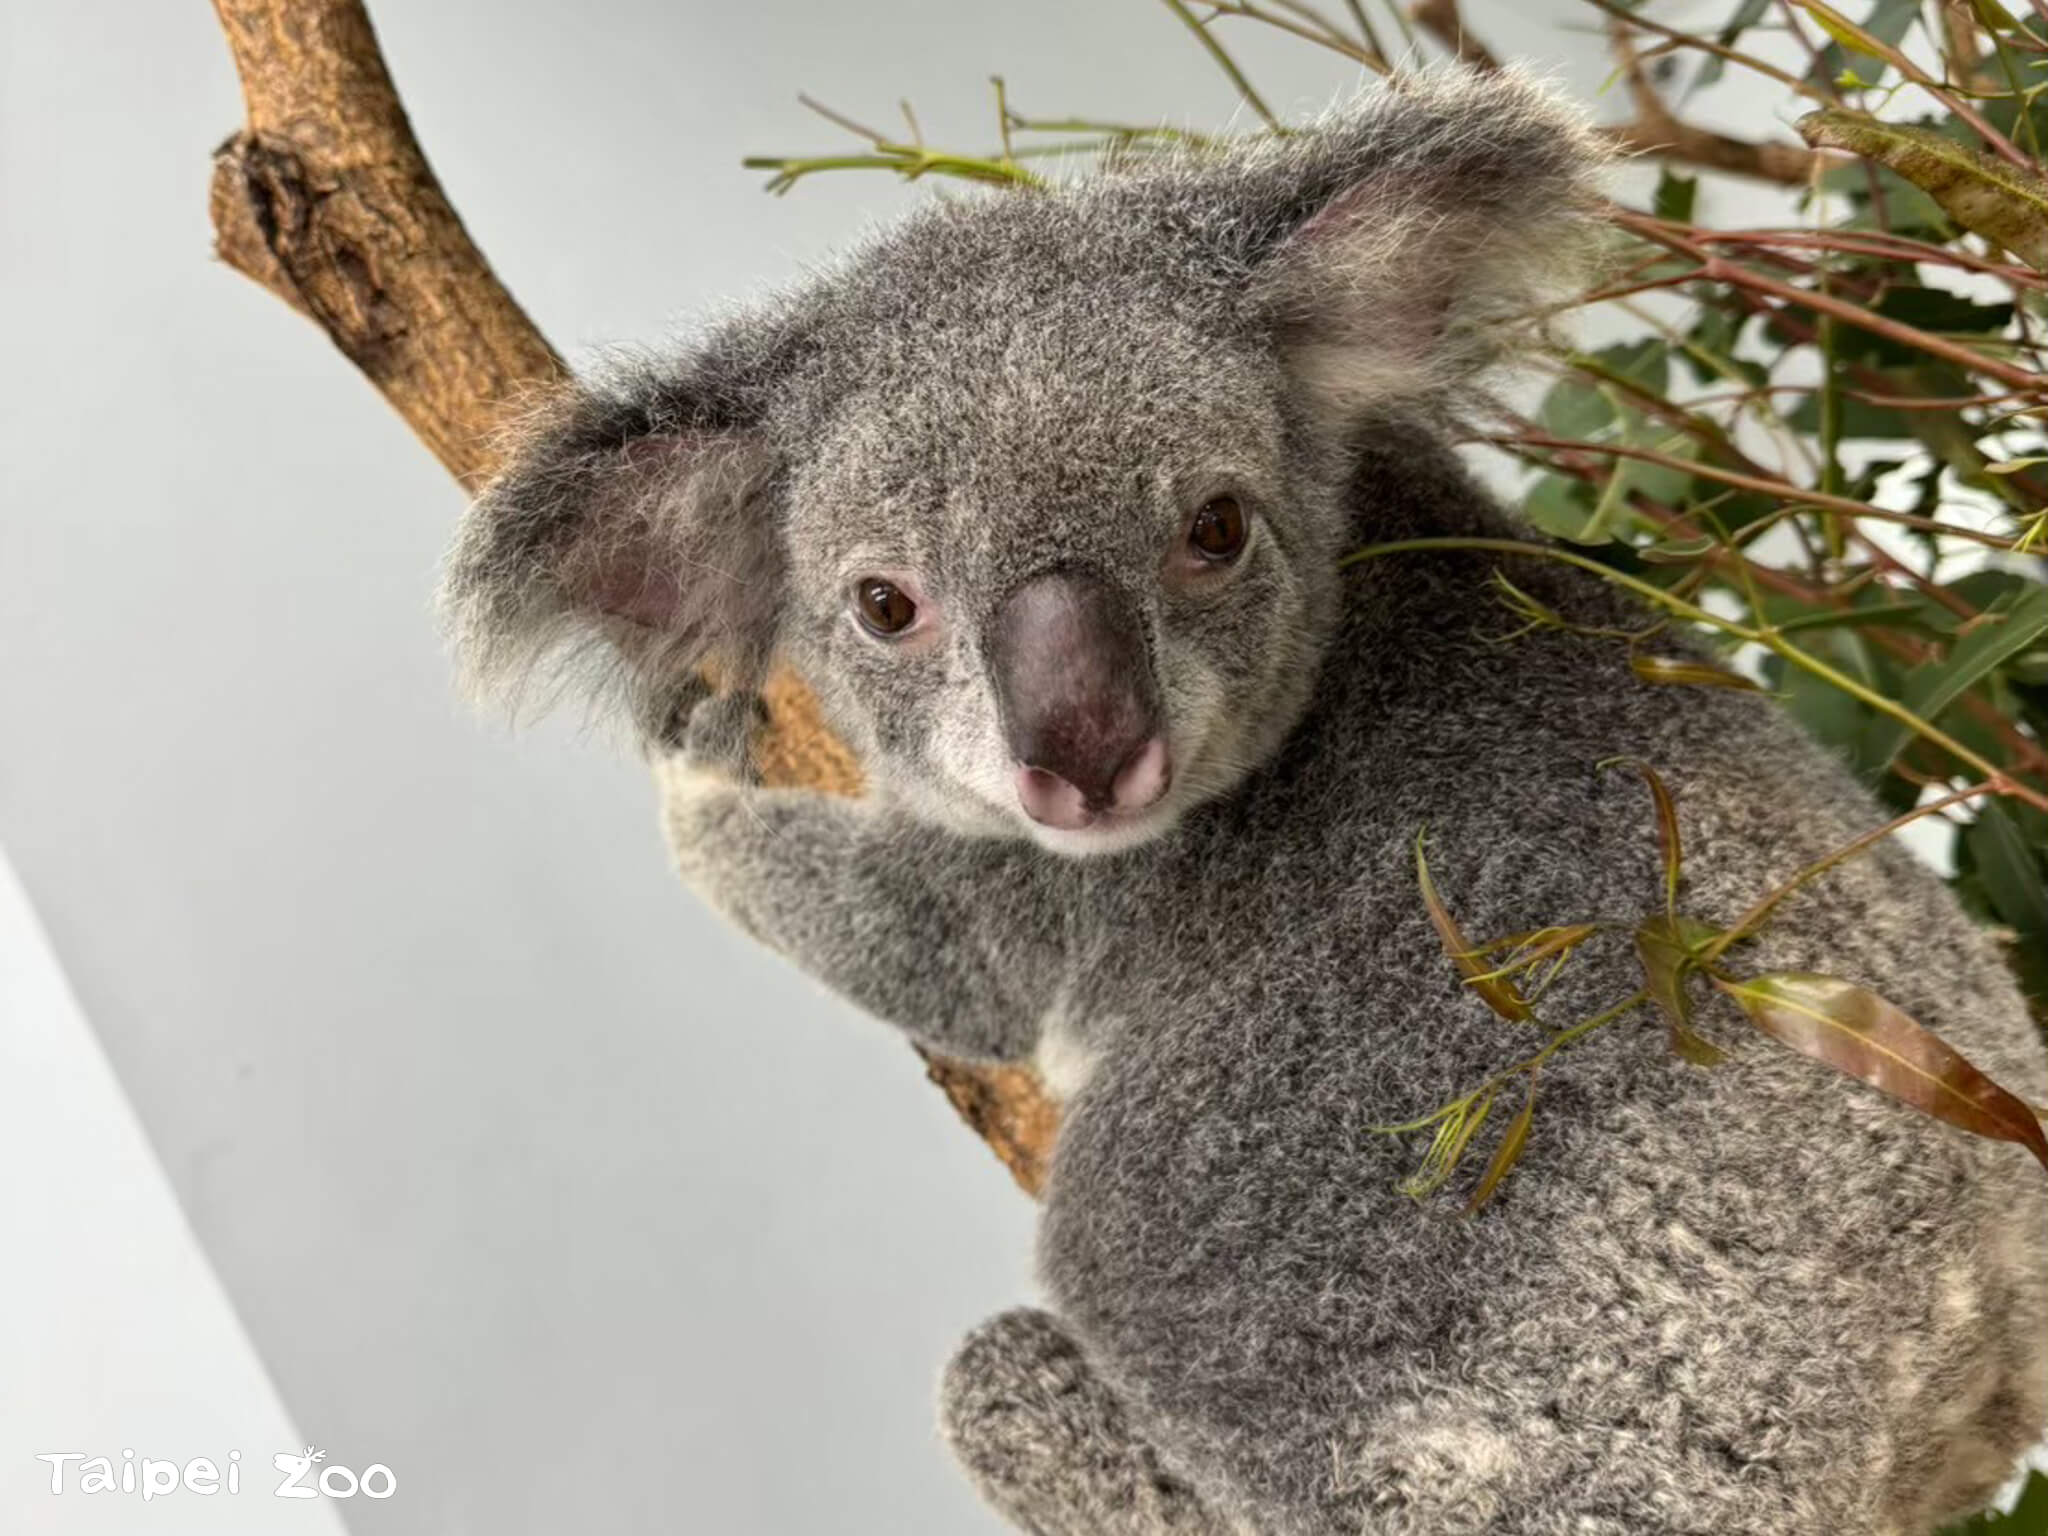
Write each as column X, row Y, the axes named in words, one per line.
column 1217, row 533
column 883, row 608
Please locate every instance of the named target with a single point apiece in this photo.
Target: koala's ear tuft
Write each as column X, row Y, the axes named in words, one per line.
column 630, row 541
column 1405, row 242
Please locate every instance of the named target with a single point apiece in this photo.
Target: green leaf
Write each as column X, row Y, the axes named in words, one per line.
column 1524, row 951
column 1979, row 191
column 1886, row 23
column 1836, row 719
column 1931, row 688
column 1563, row 508
column 1859, row 1033
column 1844, row 31
column 1898, row 207
column 1574, row 408
column 1712, row 342
column 1645, row 363
column 1675, row 196
column 1904, row 615
column 1992, row 19
column 1686, row 672
column 1678, row 552
column 2011, row 871
column 1747, row 15
column 1936, row 309
column 1859, row 418
column 1456, row 1125
column 2028, row 1517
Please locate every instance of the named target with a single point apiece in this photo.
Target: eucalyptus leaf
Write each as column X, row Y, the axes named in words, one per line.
column 1509, row 1152
column 1498, row 993
column 1666, row 947
column 1979, row 191
column 1684, row 671
column 2012, row 875
column 1857, row 1032
column 2004, row 633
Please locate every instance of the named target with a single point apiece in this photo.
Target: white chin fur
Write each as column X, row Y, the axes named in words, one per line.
column 1111, row 835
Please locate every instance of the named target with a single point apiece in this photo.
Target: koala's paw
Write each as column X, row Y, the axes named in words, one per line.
column 711, row 735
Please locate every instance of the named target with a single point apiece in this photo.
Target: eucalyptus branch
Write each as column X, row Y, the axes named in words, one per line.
column 1800, row 497
column 1331, row 39
column 911, row 161
column 1675, row 238
column 1876, row 47
column 1330, row 35
column 1443, row 20
column 1225, row 62
column 1883, row 246
column 1367, row 33
column 2027, row 754
column 1707, row 45
column 1752, row 920
column 1657, row 130
column 1758, row 634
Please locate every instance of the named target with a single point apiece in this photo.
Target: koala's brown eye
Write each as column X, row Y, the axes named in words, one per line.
column 883, row 607
column 1217, row 533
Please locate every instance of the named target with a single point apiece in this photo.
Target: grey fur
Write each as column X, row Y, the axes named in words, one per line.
column 1747, row 1302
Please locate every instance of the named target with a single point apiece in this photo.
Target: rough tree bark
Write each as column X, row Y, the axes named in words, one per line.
column 326, row 199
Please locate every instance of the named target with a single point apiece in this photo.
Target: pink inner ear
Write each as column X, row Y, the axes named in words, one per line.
column 631, row 580
column 1339, row 216
column 1377, row 266
column 654, row 453
column 631, row 585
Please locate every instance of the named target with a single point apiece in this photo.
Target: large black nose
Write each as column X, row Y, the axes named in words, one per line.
column 1080, row 709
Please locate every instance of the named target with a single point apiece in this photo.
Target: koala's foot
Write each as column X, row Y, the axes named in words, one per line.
column 1047, row 1444
column 713, row 733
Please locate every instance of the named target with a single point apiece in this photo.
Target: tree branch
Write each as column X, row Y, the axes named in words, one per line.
column 1655, row 130
column 326, row 199
column 1442, row 20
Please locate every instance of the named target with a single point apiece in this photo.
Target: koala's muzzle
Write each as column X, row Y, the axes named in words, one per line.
column 1080, row 708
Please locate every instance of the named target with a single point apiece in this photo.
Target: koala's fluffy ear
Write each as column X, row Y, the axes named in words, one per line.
column 1405, row 242
column 630, row 541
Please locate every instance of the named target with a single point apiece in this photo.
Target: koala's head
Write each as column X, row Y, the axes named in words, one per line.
column 1043, row 492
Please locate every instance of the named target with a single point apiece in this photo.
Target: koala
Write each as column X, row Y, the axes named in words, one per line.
column 1048, row 495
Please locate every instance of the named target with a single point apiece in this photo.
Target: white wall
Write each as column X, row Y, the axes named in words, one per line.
column 524, row 1175
column 117, row 1342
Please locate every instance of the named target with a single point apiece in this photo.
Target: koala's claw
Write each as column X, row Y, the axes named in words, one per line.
column 714, row 732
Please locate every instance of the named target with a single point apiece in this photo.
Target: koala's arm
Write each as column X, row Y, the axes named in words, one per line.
column 952, row 940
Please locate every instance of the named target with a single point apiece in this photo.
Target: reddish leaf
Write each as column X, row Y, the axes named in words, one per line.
column 1507, row 1154
column 1498, row 994
column 1666, row 948
column 1688, row 673
column 1857, row 1032
column 1667, row 833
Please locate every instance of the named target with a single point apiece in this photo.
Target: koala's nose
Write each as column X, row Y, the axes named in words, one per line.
column 1074, row 683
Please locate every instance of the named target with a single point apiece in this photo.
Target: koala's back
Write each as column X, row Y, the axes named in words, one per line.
column 1761, row 1295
